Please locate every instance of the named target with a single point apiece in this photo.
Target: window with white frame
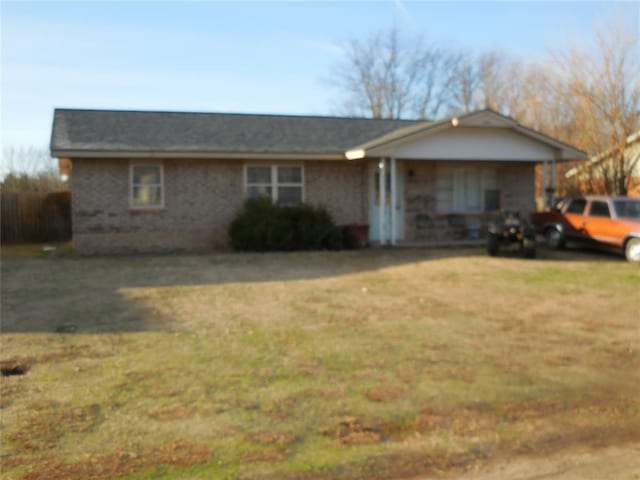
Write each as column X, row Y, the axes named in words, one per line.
column 467, row 189
column 146, row 186
column 283, row 184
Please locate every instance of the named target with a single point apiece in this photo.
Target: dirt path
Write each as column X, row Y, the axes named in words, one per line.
column 615, row 463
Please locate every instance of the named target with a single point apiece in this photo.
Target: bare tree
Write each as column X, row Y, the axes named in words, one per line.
column 30, row 169
column 464, row 86
column 601, row 91
column 492, row 77
column 385, row 76
column 438, row 70
column 586, row 97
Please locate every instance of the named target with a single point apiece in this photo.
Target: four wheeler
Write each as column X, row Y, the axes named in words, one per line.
column 515, row 233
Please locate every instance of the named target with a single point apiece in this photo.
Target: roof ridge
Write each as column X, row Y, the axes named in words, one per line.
column 239, row 114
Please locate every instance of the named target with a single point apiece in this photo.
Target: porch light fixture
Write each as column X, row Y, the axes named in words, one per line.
column 64, row 166
column 454, row 121
column 381, row 164
column 354, row 154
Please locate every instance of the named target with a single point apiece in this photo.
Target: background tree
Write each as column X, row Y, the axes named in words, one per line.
column 464, row 87
column 386, row 76
column 30, row 170
column 586, row 97
column 492, row 73
column 601, row 93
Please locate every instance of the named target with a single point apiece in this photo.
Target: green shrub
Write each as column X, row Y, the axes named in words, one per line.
column 262, row 226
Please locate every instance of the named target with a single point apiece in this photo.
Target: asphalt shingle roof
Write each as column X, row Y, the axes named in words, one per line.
column 143, row 131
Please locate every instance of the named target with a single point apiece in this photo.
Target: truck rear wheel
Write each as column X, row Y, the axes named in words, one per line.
column 554, row 238
column 632, row 250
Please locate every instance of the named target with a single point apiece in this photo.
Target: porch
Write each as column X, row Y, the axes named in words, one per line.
column 437, row 203
column 444, row 183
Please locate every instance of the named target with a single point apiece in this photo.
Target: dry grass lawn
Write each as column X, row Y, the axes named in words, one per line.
column 370, row 364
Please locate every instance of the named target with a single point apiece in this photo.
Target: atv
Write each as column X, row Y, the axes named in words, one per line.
column 515, row 233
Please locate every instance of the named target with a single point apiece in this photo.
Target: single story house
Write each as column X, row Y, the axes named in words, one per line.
column 152, row 181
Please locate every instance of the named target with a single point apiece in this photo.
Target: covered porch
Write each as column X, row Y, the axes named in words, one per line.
column 443, row 183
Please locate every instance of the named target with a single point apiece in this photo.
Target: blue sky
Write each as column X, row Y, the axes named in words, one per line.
column 237, row 57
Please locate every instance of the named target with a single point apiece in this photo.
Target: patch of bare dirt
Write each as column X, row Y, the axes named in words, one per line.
column 120, row 464
column 386, row 392
column 97, row 468
column 11, row 461
column 14, row 367
column 179, row 454
column 460, row 421
column 352, row 431
column 271, row 438
column 46, row 425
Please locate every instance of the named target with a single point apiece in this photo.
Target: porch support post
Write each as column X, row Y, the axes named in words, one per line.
column 381, row 201
column 394, row 200
column 544, row 185
column 552, row 198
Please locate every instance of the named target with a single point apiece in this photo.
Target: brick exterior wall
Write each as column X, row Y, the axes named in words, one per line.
column 423, row 221
column 518, row 189
column 201, row 197
column 341, row 187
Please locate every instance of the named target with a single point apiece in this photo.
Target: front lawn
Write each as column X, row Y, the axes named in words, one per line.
column 366, row 364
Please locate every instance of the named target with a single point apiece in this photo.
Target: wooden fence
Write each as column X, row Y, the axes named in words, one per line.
column 35, row 217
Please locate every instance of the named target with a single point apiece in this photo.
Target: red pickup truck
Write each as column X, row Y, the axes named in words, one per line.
column 610, row 221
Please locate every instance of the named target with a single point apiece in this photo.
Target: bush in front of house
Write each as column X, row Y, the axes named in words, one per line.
column 262, row 226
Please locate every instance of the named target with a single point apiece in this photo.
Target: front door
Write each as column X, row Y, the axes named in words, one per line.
column 374, row 203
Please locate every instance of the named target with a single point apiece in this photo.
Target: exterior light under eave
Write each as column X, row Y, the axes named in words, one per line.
column 354, row 154
column 64, row 166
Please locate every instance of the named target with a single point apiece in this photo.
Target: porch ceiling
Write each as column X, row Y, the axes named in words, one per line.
column 470, row 143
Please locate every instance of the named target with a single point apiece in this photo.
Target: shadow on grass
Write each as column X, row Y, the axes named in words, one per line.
column 84, row 294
